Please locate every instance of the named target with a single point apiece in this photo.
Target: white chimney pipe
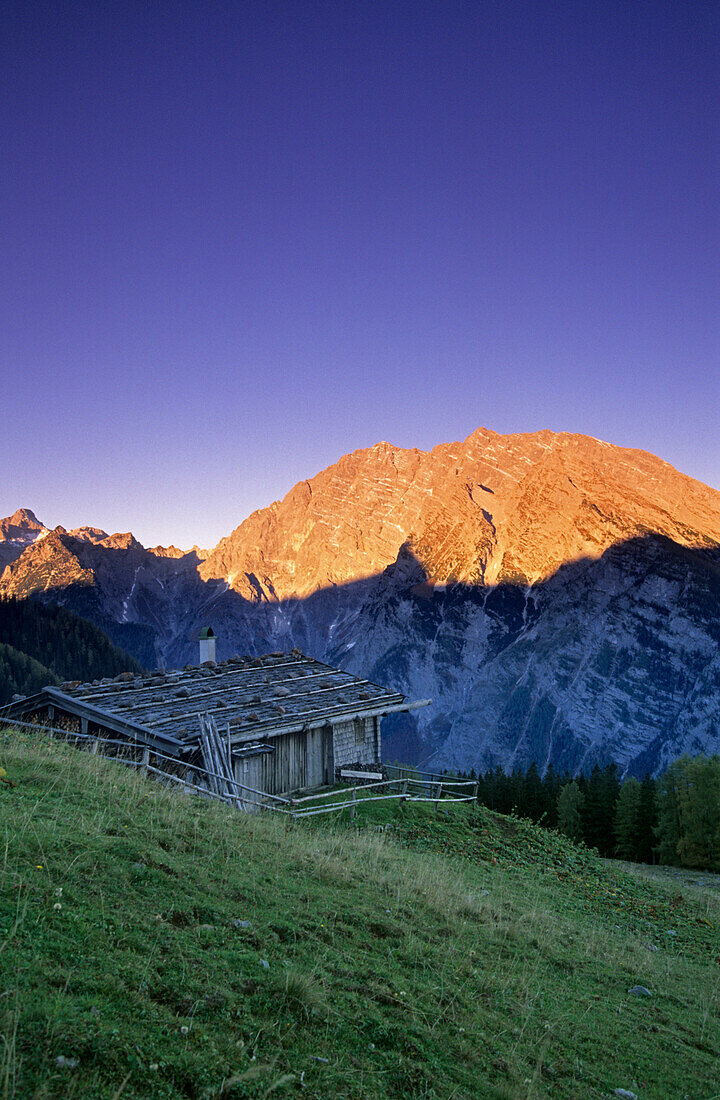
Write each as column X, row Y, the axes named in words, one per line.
column 207, row 644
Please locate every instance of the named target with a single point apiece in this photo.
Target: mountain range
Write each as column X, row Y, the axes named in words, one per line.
column 557, row 597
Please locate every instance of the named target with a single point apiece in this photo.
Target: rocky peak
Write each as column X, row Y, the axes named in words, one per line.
column 89, row 534
column 166, row 552
column 20, row 524
column 18, row 531
column 25, row 517
column 124, row 541
column 492, row 507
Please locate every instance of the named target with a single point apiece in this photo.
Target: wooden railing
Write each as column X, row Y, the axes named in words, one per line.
column 400, row 790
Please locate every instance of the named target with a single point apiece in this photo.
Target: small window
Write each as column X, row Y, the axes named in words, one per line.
column 359, row 731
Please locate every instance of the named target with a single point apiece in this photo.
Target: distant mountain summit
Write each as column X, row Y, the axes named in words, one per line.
column 492, row 509
column 556, row 596
column 19, row 523
column 17, row 532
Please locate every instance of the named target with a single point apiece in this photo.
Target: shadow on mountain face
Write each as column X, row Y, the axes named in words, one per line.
column 603, row 660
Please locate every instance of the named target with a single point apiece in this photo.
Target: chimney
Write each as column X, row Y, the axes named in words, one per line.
column 207, row 644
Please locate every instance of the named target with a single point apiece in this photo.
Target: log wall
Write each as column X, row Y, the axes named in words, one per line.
column 299, row 760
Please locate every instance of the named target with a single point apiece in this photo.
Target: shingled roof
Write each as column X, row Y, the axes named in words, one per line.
column 257, row 697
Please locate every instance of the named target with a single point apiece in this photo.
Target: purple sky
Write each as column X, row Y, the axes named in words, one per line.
column 241, row 239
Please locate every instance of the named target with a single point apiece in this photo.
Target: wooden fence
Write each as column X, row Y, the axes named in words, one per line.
column 215, row 780
column 402, row 789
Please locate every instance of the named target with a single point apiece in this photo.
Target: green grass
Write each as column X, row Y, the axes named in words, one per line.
column 400, row 955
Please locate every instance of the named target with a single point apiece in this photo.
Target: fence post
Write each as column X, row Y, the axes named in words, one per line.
column 438, row 792
column 352, row 802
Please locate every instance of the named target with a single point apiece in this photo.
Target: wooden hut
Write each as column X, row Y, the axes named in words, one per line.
column 290, row 722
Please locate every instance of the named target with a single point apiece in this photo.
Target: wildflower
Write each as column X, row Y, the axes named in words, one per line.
column 57, row 905
column 184, row 1030
column 153, row 1066
column 38, row 866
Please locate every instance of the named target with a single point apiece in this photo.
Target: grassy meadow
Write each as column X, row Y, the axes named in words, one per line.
column 158, row 945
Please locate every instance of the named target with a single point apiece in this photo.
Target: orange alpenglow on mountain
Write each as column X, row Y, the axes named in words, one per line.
column 493, row 508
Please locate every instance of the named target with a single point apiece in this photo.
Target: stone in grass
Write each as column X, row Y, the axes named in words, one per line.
column 66, row 1063
column 640, row 991
column 625, row 1094
column 242, row 924
column 264, row 964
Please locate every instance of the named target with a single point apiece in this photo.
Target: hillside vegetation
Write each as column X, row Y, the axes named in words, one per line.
column 22, row 674
column 157, row 945
column 42, row 645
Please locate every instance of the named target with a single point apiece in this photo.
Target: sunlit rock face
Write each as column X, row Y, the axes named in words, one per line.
column 489, row 509
column 556, row 597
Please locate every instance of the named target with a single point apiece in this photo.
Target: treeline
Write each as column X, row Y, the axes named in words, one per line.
column 21, row 675
column 674, row 819
column 38, row 641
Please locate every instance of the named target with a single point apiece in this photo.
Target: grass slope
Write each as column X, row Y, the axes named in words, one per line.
column 459, row 956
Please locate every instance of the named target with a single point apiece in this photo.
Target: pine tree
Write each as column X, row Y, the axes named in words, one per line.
column 699, row 805
column 603, row 787
column 570, row 806
column 627, row 820
column 647, row 820
column 688, row 799
column 70, row 647
column 532, row 801
column 668, row 806
column 551, row 790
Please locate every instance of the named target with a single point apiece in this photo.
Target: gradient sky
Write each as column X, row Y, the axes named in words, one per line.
column 240, row 239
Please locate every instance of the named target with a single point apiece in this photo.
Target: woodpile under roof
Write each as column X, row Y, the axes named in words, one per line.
column 256, row 697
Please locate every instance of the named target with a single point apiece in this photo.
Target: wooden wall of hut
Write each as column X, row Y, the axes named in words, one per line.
column 299, row 761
